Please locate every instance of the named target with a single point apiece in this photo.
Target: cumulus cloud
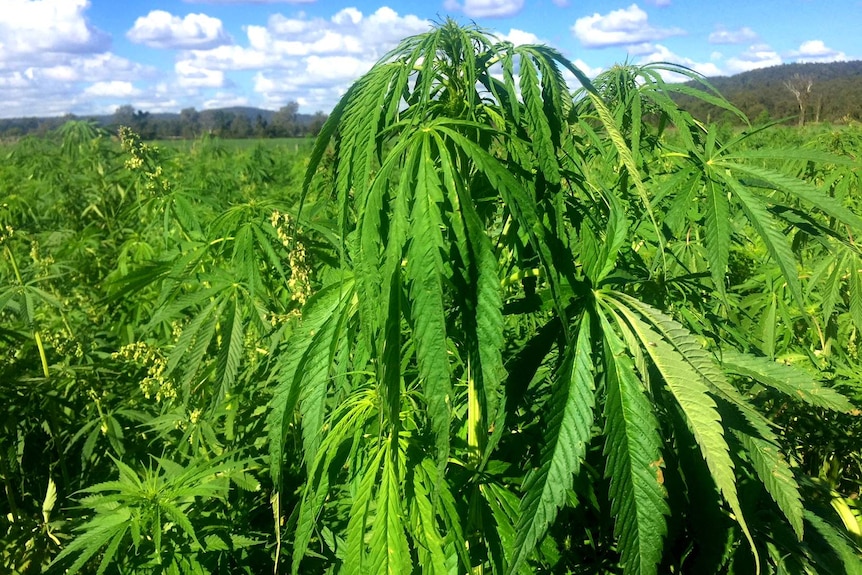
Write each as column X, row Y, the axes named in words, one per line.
column 40, row 27
column 659, row 53
column 309, row 60
column 111, row 89
column 56, row 83
column 742, row 35
column 817, row 51
column 519, row 37
column 486, row 8
column 225, row 100
column 619, row 28
column 757, row 56
column 191, row 76
column 160, row 29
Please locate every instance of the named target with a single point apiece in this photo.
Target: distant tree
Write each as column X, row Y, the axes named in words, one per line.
column 283, row 124
column 260, row 127
column 240, row 127
column 216, row 122
column 142, row 124
column 317, row 122
column 189, row 123
column 800, row 87
column 124, row 116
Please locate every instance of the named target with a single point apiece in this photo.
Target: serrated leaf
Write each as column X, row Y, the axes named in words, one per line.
column 775, row 240
column 717, row 233
column 701, row 412
column 633, row 452
column 390, row 553
column 231, row 352
column 425, row 272
column 849, row 555
column 802, row 190
column 357, row 525
column 431, row 545
column 787, row 379
column 319, row 310
column 777, row 477
column 566, row 436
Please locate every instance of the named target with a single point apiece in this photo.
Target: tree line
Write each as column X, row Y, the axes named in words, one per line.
column 189, row 123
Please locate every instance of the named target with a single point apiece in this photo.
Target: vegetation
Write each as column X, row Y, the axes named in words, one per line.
column 495, row 327
column 236, row 122
column 770, row 94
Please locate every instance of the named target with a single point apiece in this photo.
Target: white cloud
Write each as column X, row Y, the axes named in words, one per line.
column 36, row 27
column 111, row 89
column 486, row 8
column 659, row 3
column 586, row 69
column 659, row 53
column 191, row 76
column 310, row 60
column 160, row 29
column 757, row 56
column 225, row 100
column 619, row 28
column 740, row 36
column 817, row 51
column 519, row 37
column 55, row 84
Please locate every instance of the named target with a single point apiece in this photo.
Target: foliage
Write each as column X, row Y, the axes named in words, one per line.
column 499, row 326
column 533, row 280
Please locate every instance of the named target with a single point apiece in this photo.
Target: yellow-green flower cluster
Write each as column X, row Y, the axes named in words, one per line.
column 64, row 343
column 156, row 383
column 298, row 284
column 6, row 233
column 141, row 158
column 43, row 264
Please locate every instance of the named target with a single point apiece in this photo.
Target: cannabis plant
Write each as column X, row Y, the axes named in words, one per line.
column 530, row 353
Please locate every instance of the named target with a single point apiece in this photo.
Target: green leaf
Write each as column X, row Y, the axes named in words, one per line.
column 802, row 190
column 717, row 233
column 775, row 240
column 430, row 545
column 425, row 272
column 231, row 352
column 49, row 501
column 849, row 555
column 633, row 452
column 775, row 474
column 319, row 311
column 701, row 412
column 564, row 445
column 789, row 380
column 181, row 519
column 537, row 122
column 390, row 553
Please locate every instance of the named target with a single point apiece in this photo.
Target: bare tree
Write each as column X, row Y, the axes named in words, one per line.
column 800, row 87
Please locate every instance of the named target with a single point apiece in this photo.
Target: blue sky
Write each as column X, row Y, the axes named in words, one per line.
column 90, row 56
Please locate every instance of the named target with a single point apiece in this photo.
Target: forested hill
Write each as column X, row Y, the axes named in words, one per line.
column 835, row 93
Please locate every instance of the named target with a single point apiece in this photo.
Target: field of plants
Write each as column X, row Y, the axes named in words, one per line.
column 485, row 326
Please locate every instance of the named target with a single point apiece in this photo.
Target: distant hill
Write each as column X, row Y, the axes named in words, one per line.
column 835, row 96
